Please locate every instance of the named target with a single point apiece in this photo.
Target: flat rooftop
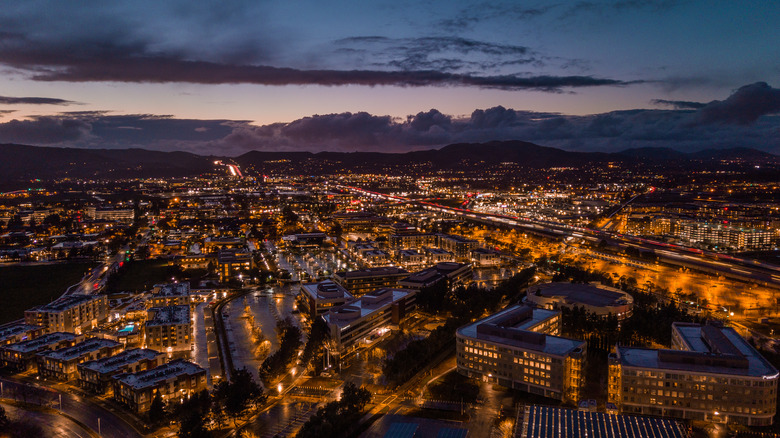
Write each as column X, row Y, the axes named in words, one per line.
column 15, row 328
column 80, row 349
column 155, row 376
column 578, row 293
column 373, row 272
column 325, row 290
column 509, row 327
column 367, row 304
column 169, row 315
column 66, row 302
column 113, row 363
column 172, row 289
column 740, row 358
column 36, row 344
column 552, row 422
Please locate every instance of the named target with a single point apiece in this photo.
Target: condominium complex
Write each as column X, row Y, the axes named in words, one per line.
column 96, row 375
column 61, row 364
column 170, row 294
column 364, row 321
column 361, row 282
column 711, row 374
column 175, row 380
column 517, row 348
column 318, row 298
column 458, row 245
column 71, row 313
column 168, row 328
column 18, row 331
column 21, row 355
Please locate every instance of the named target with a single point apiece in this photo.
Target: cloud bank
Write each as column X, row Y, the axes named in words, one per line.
column 750, row 117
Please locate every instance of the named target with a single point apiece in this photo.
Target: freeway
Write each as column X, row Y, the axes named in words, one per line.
column 737, row 268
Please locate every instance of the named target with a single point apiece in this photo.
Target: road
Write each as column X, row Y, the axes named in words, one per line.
column 85, row 411
column 53, row 424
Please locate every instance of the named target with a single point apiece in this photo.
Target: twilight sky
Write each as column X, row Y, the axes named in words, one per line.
column 227, row 77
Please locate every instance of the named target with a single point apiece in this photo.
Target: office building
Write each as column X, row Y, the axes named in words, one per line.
column 449, row 275
column 516, row 348
column 711, row 374
column 318, row 298
column 366, row 280
column 593, row 298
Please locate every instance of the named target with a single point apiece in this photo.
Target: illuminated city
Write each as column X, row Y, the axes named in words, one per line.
column 211, row 243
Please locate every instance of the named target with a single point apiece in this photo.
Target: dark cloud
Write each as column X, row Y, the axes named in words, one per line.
column 34, row 101
column 745, row 106
column 682, row 129
column 679, row 104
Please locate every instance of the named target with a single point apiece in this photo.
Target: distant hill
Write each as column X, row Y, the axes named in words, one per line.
column 21, row 162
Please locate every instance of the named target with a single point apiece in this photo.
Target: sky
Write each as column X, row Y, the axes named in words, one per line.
column 224, row 78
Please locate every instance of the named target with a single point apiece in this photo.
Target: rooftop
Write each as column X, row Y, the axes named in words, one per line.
column 367, row 304
column 373, row 272
column 67, row 302
column 114, row 363
column 15, row 328
column 168, row 315
column 41, row 342
column 155, row 376
column 325, row 290
column 712, row 349
column 171, row 289
column 578, row 293
column 510, row 327
column 552, row 422
column 80, row 349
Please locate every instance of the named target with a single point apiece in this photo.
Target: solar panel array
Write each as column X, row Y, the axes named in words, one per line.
column 451, row 432
column 401, row 430
column 551, row 422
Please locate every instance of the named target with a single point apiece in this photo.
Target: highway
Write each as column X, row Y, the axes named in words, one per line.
column 732, row 267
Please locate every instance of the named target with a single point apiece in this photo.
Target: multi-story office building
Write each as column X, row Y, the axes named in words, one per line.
column 366, row 280
column 72, row 313
column 447, row 274
column 18, row 331
column 170, row 294
column 517, row 348
column 485, row 257
column 168, row 328
column 458, row 245
column 175, row 380
column 318, row 298
column 594, row 298
column 362, row 322
column 111, row 214
column 231, row 262
column 22, row 355
column 711, row 374
column 96, row 375
column 62, row 364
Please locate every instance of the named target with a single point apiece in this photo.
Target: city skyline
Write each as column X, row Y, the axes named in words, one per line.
column 390, row 77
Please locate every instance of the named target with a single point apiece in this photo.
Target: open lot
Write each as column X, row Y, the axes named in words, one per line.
column 22, row 287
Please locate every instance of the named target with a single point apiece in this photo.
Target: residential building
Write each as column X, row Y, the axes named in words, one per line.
column 231, row 262
column 458, row 245
column 174, row 381
column 516, row 348
column 170, row 294
column 168, row 328
column 21, row 355
column 18, row 331
column 70, row 313
column 97, row 375
column 62, row 364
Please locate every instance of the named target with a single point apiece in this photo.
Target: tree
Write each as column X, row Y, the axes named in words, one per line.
column 157, row 411
column 239, row 395
column 192, row 414
column 4, row 421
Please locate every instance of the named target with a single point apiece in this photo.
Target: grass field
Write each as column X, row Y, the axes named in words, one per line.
column 22, row 287
column 141, row 275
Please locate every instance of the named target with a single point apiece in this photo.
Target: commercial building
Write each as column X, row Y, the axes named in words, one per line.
column 173, row 381
column 366, row 280
column 362, row 322
column 458, row 245
column 96, row 375
column 516, row 348
column 711, row 374
column 21, row 355
column 594, row 298
column 168, row 328
column 18, row 331
column 71, row 313
column 170, row 294
column 484, row 257
column 318, row 298
column 446, row 274
column 231, row 262
column 62, row 364
column 305, row 240
column 111, row 214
